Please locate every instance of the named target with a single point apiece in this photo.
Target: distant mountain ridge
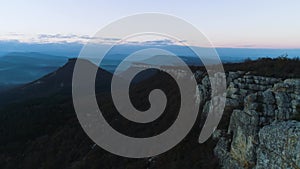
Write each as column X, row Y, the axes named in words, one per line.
column 72, row 50
column 58, row 81
column 21, row 67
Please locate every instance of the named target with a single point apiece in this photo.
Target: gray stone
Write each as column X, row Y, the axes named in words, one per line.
column 244, row 127
column 268, row 97
column 232, row 102
column 266, row 101
column 269, row 110
column 279, row 146
column 282, row 99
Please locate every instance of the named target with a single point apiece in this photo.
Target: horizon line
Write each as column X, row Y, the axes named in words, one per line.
column 144, row 44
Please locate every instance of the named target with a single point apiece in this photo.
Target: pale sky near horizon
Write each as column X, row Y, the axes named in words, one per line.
column 227, row 23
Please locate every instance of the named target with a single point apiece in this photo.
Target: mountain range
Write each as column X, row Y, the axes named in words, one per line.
column 19, row 68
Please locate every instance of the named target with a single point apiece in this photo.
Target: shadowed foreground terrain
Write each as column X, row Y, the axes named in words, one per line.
column 39, row 128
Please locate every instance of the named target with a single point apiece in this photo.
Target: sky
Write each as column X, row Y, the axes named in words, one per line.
column 226, row 23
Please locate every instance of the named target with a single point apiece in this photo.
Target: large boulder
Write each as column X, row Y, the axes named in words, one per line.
column 279, row 146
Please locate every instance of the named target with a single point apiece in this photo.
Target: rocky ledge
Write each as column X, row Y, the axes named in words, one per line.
column 264, row 127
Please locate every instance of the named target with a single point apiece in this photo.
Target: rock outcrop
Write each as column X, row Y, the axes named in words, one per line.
column 261, row 130
column 279, row 146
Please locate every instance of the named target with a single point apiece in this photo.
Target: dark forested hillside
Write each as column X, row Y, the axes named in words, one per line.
column 40, row 129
